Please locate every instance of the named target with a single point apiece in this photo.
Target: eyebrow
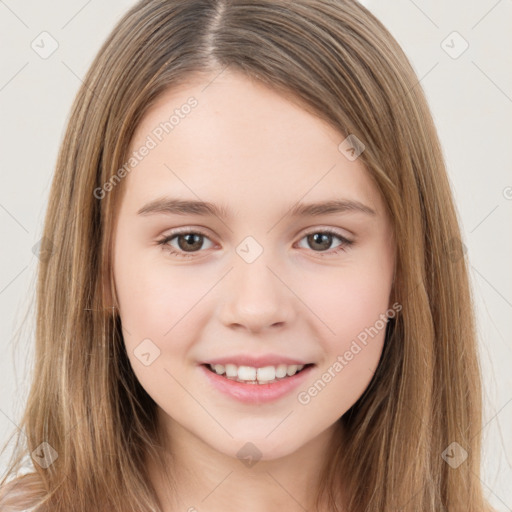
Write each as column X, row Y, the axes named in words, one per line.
column 169, row 206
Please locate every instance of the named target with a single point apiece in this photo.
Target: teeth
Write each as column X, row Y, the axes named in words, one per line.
column 246, row 373
column 253, row 375
column 266, row 373
column 219, row 368
column 291, row 370
column 231, row 370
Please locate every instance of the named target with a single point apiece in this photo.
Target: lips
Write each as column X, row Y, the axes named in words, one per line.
column 255, row 393
column 257, row 361
column 265, row 374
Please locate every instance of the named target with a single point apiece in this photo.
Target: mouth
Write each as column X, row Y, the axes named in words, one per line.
column 257, row 386
column 260, row 376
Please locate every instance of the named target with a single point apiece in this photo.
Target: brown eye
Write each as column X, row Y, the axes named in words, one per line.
column 189, row 242
column 321, row 240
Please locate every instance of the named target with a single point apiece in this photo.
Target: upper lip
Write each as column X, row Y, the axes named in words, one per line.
column 256, row 361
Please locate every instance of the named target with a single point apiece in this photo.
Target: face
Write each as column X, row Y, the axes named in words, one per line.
column 259, row 281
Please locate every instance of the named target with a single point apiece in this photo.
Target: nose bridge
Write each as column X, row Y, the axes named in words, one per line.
column 256, row 297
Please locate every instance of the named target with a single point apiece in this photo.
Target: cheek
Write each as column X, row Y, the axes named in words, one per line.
column 155, row 302
column 348, row 300
column 158, row 308
column 352, row 345
column 352, row 304
column 169, row 306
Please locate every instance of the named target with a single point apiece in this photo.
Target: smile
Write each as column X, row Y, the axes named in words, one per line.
column 252, row 375
column 252, row 391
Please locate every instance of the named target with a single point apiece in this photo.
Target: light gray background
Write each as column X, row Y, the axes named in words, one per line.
column 471, row 100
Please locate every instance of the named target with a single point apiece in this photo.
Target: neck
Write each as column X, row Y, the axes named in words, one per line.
column 199, row 477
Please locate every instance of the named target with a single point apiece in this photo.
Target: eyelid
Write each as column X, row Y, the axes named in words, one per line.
column 309, row 231
column 184, row 231
column 328, row 229
column 164, row 241
column 346, row 242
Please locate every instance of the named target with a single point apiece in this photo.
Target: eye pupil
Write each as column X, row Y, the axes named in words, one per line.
column 193, row 241
column 318, row 238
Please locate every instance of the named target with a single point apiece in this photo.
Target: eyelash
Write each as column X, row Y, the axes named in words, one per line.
column 345, row 243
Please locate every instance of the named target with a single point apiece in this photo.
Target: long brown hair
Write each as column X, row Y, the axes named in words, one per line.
column 335, row 59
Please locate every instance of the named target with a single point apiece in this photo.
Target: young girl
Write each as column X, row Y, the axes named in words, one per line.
column 256, row 297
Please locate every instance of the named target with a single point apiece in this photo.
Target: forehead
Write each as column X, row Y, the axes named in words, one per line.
column 232, row 139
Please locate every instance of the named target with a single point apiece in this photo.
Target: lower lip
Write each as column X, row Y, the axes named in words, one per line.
column 256, row 393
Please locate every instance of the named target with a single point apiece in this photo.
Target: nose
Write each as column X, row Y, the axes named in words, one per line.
column 256, row 297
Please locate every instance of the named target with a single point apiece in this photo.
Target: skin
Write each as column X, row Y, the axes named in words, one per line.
column 254, row 151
